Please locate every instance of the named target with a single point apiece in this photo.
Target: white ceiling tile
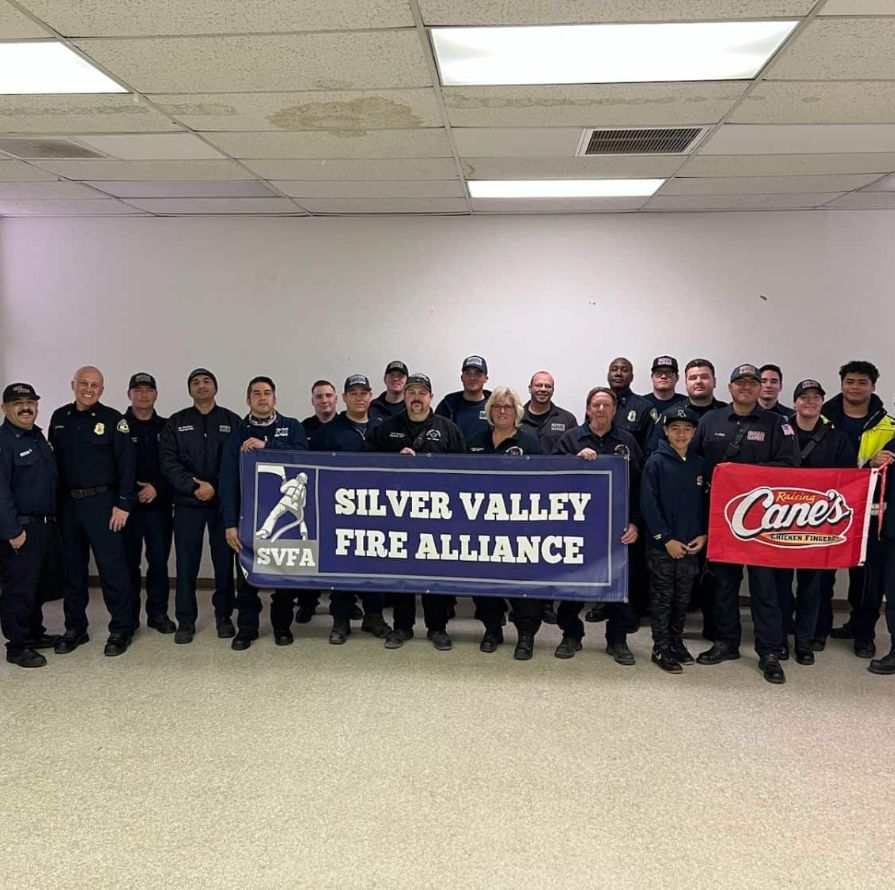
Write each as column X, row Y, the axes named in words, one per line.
column 43, row 191
column 788, row 165
column 310, row 144
column 423, row 189
column 113, row 18
column 794, row 102
column 152, row 170
column 637, row 166
column 382, row 206
column 19, row 171
column 77, row 113
column 347, row 110
column 210, row 206
column 800, row 139
column 592, row 105
column 858, row 7
column 765, row 185
column 557, row 205
column 737, row 202
column 570, row 12
column 517, row 142
column 14, row 25
column 153, row 147
column 100, row 207
column 356, row 170
column 839, row 49
column 864, row 201
column 250, row 188
column 323, row 61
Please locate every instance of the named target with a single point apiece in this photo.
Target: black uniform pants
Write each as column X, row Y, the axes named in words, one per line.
column 527, row 613
column 879, row 583
column 783, row 581
column 766, row 617
column 29, row 577
column 84, row 523
column 810, row 587
column 435, row 611
column 671, row 582
column 189, row 529
column 489, row 610
column 248, row 602
column 341, row 603
column 152, row 528
column 620, row 620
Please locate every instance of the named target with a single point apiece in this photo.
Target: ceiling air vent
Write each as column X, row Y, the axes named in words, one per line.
column 676, row 140
column 35, row 149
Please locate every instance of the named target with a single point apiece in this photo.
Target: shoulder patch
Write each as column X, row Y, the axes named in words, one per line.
column 122, row 426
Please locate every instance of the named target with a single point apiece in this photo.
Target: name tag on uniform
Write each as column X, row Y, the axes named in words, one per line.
column 755, row 435
column 224, row 428
column 396, row 436
column 26, row 453
column 557, row 427
column 185, row 429
column 282, row 431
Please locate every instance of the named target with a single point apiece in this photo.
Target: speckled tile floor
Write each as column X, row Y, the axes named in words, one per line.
column 317, row 766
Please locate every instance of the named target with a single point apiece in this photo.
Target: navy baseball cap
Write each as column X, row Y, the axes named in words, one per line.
column 804, row 385
column 19, row 392
column 741, row 371
column 141, row 378
column 665, row 361
column 398, row 367
column 419, row 380
column 357, row 380
column 680, row 412
column 476, row 362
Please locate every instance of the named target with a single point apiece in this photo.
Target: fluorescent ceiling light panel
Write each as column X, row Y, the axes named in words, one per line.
column 629, row 53
column 563, row 188
column 38, row 66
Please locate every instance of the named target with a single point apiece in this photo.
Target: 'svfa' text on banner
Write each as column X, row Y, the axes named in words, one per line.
column 452, row 524
column 790, row 518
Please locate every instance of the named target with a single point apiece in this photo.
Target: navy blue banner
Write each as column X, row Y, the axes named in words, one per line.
column 452, row 524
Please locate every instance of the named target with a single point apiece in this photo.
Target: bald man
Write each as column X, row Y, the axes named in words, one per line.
column 97, row 465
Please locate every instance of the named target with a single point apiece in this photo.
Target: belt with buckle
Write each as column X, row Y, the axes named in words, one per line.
column 31, row 520
column 78, row 493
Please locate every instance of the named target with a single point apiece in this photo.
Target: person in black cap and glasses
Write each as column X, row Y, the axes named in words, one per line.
column 391, row 400
column 418, row 430
column 190, row 449
column 150, row 523
column 466, row 407
column 29, row 538
column 97, row 463
column 744, row 433
column 664, row 376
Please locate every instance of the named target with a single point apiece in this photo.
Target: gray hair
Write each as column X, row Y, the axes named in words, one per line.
column 504, row 392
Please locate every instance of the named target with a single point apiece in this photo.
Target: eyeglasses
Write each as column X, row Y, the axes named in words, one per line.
column 503, row 407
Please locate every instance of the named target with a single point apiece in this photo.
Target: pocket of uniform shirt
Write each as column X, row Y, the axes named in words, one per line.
column 28, row 460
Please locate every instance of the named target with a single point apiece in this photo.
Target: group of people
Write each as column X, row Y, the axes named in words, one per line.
column 125, row 485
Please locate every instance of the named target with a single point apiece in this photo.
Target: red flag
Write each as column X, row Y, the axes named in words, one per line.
column 790, row 518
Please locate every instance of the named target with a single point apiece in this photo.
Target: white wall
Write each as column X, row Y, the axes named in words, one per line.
column 307, row 298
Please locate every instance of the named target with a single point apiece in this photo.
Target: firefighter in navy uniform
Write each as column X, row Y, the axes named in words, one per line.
column 391, row 400
column 632, row 411
column 97, row 462
column 190, row 449
column 151, row 522
column 30, row 553
column 262, row 427
column 542, row 417
column 599, row 436
column 747, row 434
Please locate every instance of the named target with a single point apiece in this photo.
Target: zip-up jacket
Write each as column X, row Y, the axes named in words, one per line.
column 383, row 409
column 434, row 435
column 832, row 448
column 190, row 445
column 556, row 424
column 340, row 434
column 878, row 429
column 145, row 435
column 27, row 477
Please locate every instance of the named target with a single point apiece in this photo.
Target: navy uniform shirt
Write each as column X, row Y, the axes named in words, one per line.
column 343, row 434
column 382, row 409
column 94, row 450
column 27, row 477
column 469, row 416
column 145, row 436
column 633, row 414
column 548, row 428
column 657, row 405
column 767, row 439
column 657, row 434
column 522, row 442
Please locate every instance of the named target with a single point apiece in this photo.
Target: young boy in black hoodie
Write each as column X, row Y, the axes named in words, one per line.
column 672, row 501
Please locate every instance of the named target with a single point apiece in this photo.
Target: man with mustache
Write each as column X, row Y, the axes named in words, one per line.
column 29, row 538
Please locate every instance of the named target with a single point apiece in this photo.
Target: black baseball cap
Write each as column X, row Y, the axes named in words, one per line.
column 680, row 412
column 400, row 367
column 357, row 380
column 476, row 362
column 418, row 380
column 665, row 361
column 741, row 371
column 804, row 385
column 19, row 392
column 141, row 378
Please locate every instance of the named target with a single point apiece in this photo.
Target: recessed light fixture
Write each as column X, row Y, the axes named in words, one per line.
column 48, row 66
column 563, row 188
column 627, row 53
